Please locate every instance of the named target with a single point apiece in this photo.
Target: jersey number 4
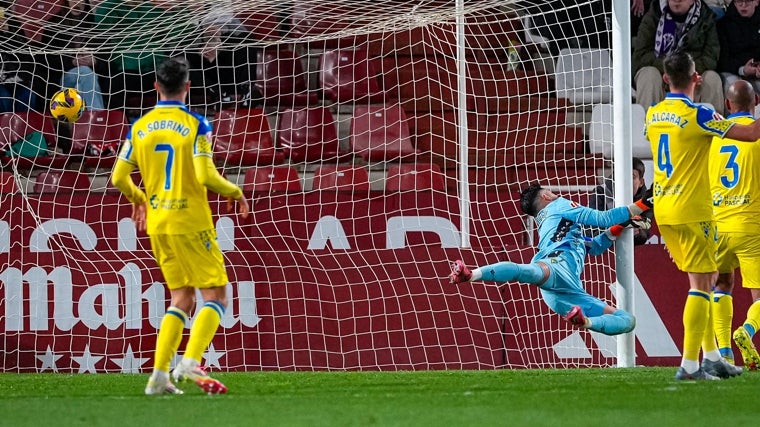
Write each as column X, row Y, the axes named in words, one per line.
column 663, row 155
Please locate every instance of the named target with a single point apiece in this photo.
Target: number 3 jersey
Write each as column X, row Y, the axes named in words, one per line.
column 680, row 134
column 735, row 181
column 162, row 145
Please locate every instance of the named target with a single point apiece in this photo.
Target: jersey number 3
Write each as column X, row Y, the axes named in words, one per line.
column 731, row 165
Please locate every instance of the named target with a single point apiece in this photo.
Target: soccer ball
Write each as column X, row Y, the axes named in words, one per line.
column 67, row 105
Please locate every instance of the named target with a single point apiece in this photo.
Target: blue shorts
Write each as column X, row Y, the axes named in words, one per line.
column 563, row 289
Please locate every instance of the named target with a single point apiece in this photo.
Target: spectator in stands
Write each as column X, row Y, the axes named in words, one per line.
column 638, row 9
column 718, row 7
column 739, row 35
column 604, row 199
column 70, row 30
column 212, row 74
column 683, row 26
column 140, row 34
column 567, row 24
column 221, row 74
column 16, row 67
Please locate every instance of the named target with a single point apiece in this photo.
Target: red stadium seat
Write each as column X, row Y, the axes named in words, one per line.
column 7, row 183
column 33, row 14
column 260, row 25
column 99, row 130
column 14, row 126
column 62, row 181
column 281, row 79
column 381, row 133
column 269, row 179
column 244, row 138
column 309, row 134
column 414, row 176
column 349, row 76
column 341, row 178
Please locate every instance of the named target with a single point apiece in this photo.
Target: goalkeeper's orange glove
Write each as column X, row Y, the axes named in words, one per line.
column 636, row 222
column 643, row 204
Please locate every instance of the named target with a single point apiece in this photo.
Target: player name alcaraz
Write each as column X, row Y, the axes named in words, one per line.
column 664, row 116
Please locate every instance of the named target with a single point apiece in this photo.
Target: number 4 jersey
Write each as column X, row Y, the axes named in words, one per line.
column 680, row 134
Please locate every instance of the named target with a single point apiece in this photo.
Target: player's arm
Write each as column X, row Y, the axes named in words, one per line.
column 594, row 218
column 121, row 178
column 740, row 132
column 206, row 174
column 601, row 242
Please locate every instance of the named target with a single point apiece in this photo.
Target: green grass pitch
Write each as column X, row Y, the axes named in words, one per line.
column 558, row 397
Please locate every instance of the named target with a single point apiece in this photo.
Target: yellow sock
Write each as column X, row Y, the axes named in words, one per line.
column 695, row 316
column 169, row 337
column 708, row 337
column 203, row 329
column 753, row 317
column 722, row 308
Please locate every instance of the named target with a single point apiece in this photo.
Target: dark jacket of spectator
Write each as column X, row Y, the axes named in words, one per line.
column 739, row 39
column 701, row 41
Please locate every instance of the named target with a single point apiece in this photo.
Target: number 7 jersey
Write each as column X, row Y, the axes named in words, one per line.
column 680, row 134
column 162, row 145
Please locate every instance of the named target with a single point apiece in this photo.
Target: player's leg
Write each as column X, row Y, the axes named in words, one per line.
column 204, row 263
column 722, row 313
column 749, row 263
column 587, row 311
column 722, row 303
column 693, row 252
column 535, row 273
column 173, row 323
column 743, row 335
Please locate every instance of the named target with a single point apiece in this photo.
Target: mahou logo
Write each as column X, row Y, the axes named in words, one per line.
column 27, row 292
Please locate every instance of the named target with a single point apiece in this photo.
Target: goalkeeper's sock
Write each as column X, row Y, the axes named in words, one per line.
column 509, row 271
column 204, row 327
column 169, row 337
column 722, row 312
column 616, row 323
column 695, row 317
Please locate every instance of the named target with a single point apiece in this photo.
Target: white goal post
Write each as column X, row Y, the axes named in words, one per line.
column 377, row 141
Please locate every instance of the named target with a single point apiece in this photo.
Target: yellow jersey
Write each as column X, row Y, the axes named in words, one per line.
column 735, row 181
column 162, row 145
column 680, row 134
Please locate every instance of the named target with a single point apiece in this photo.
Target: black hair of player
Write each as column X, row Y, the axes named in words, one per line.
column 529, row 199
column 172, row 75
column 679, row 67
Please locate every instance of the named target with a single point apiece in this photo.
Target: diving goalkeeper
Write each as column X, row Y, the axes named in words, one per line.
column 562, row 248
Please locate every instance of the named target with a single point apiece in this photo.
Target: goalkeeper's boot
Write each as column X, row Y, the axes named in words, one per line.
column 720, row 368
column 187, row 372
column 699, row 375
column 459, row 272
column 747, row 348
column 160, row 384
column 576, row 317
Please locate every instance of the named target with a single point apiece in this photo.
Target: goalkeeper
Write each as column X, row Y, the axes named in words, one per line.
column 171, row 147
column 562, row 248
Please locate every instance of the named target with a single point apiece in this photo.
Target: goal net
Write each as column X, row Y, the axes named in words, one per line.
column 344, row 122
